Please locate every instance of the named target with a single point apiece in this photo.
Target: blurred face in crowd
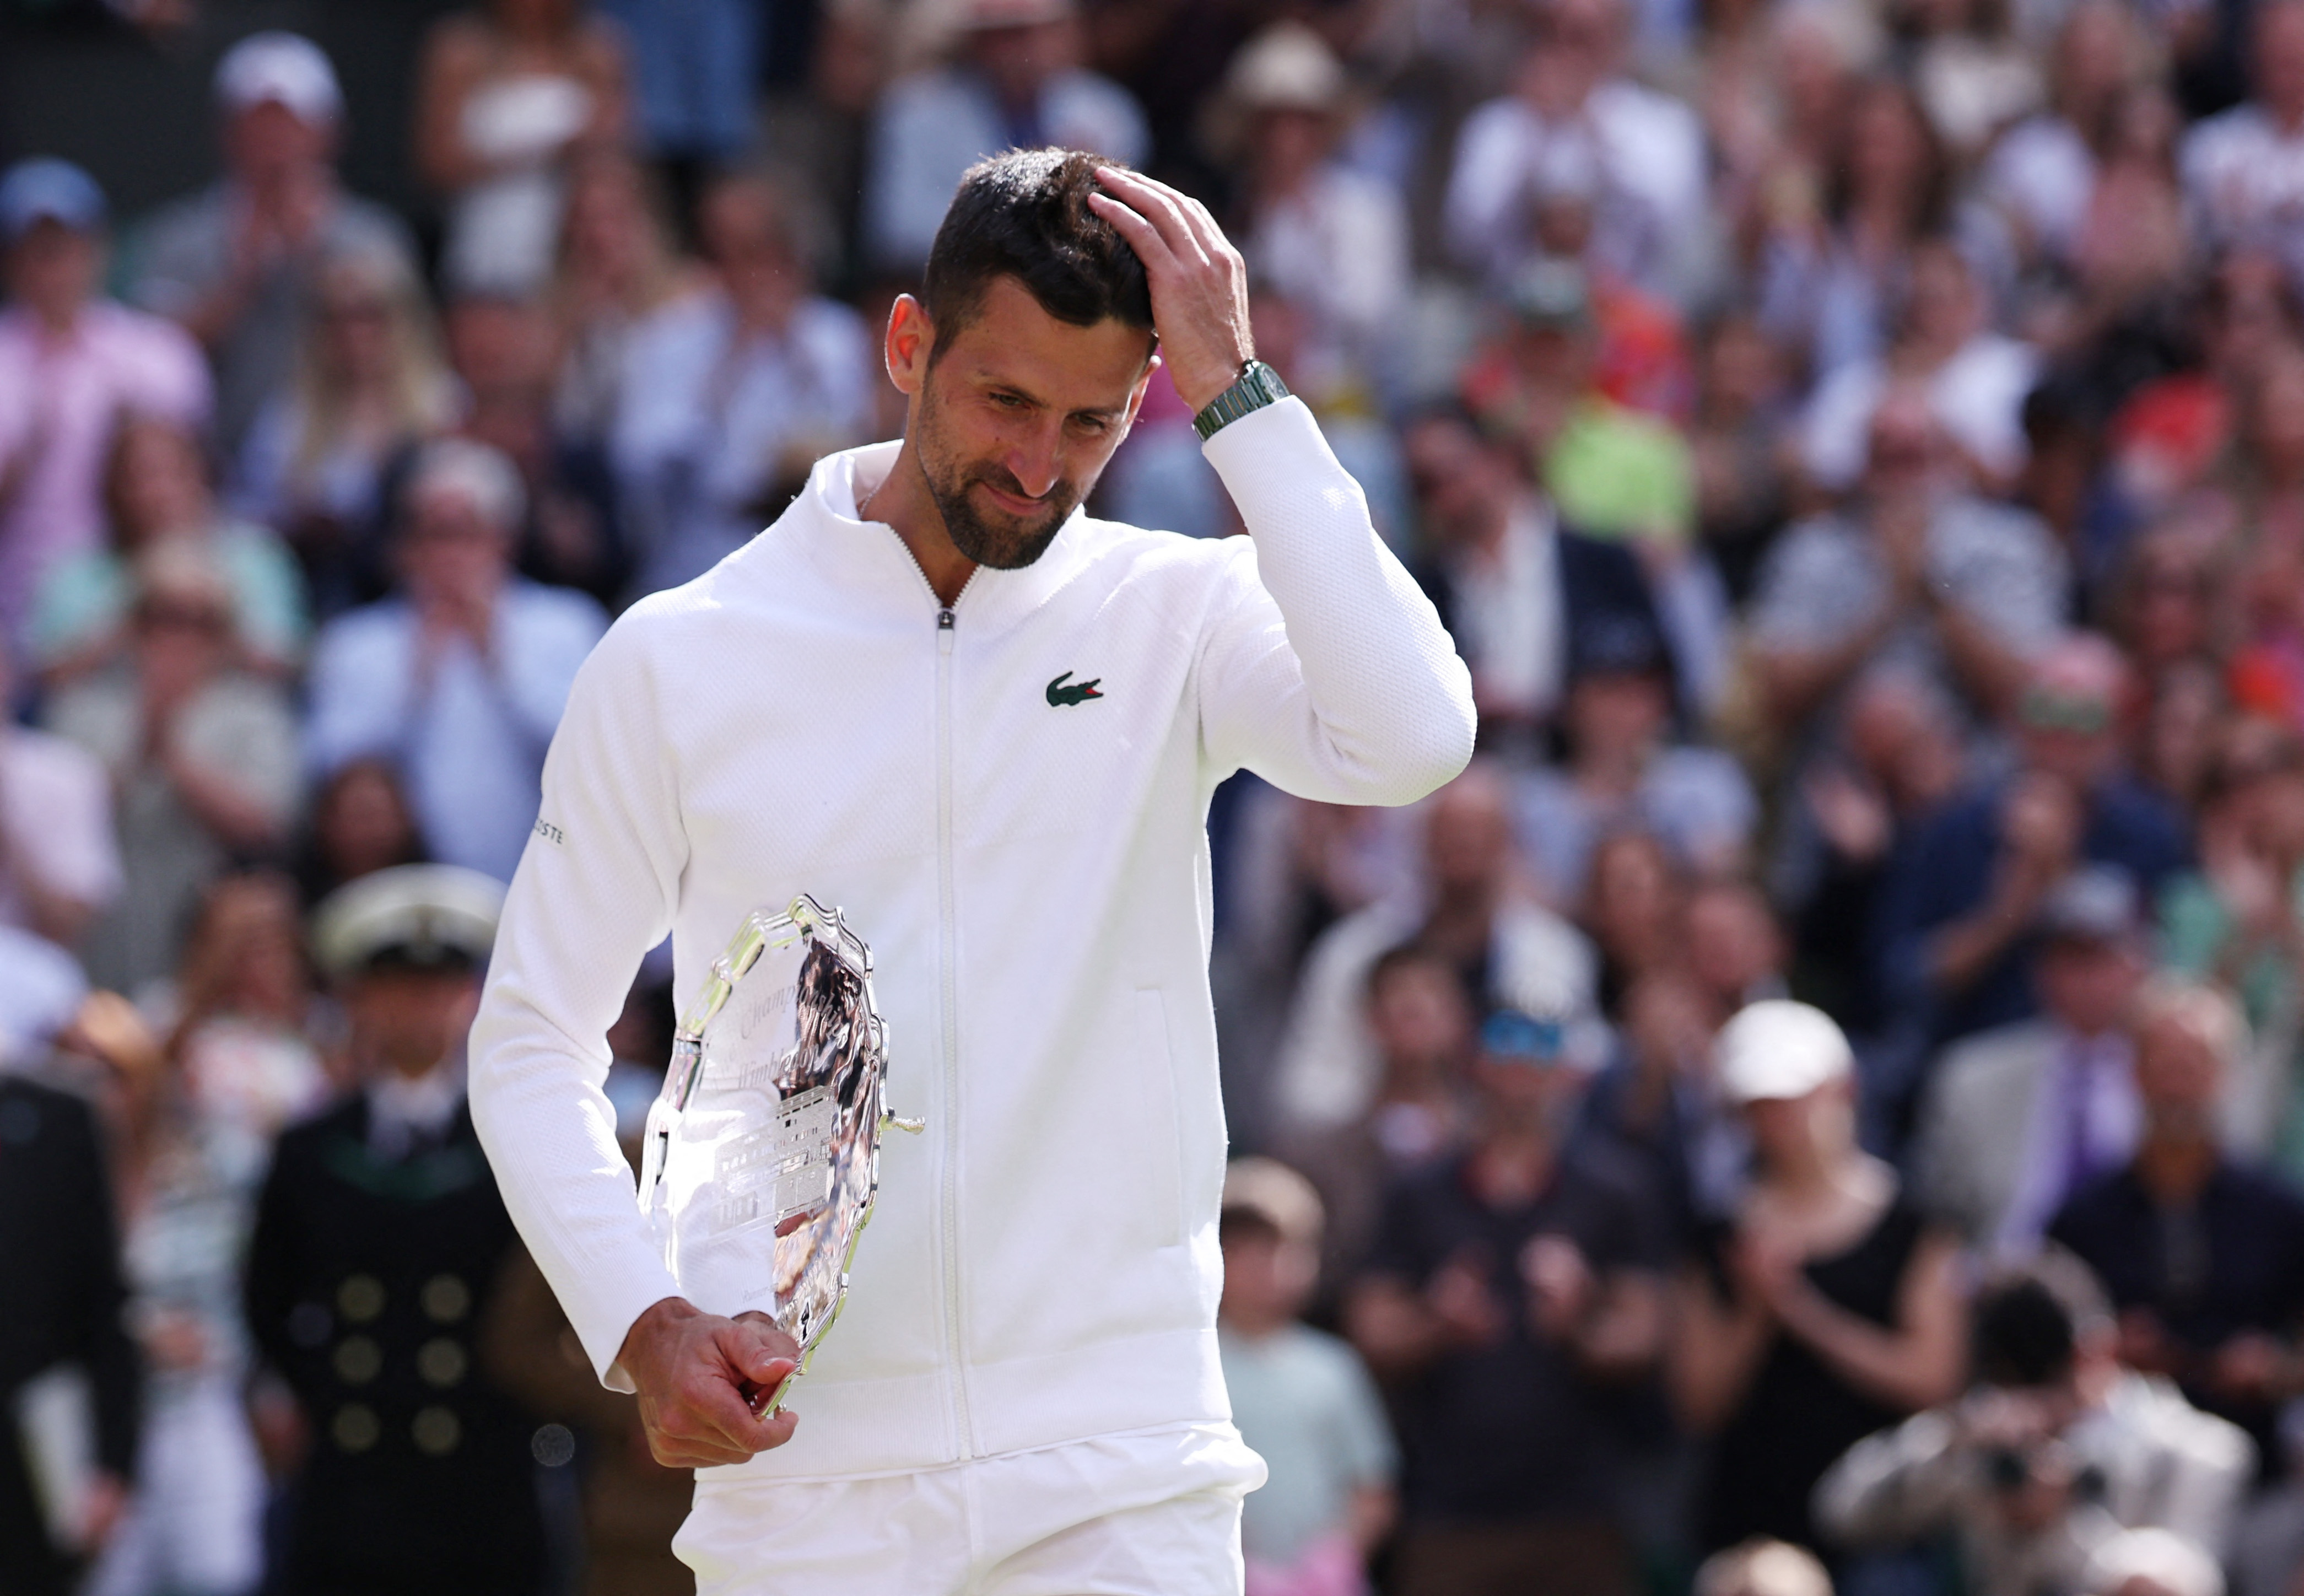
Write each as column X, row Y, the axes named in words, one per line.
column 268, row 143
column 183, row 636
column 607, row 227
column 1468, row 835
column 1743, row 370
column 1268, row 1276
column 1905, row 452
column 357, row 316
column 2169, row 613
column 2088, row 983
column 2251, row 313
column 1526, row 1083
column 2278, row 66
column 1289, row 141
column 1943, row 309
column 158, row 483
column 1903, row 740
column 2276, row 424
column 405, row 1020
column 1668, row 1018
column 748, row 236
column 249, row 941
column 53, row 270
column 1888, row 153
column 1617, row 716
column 1421, row 1019
column 2093, row 53
column 1464, row 486
column 1014, row 416
column 2179, row 1071
column 1633, row 899
column 1020, row 60
column 1575, row 51
column 450, row 552
column 362, row 822
column 2068, row 717
column 1805, row 1131
column 500, row 345
column 1733, row 943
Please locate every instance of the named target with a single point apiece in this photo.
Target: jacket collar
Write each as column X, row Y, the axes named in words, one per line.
column 868, row 560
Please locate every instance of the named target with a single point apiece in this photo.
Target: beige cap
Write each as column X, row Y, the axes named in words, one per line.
column 1287, row 67
column 419, row 916
column 1777, row 1048
column 1275, row 1193
column 284, row 68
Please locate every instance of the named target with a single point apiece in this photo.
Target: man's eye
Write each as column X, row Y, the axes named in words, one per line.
column 1094, row 424
column 1008, row 401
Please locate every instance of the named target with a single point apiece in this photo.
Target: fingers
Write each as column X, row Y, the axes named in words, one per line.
column 1183, row 224
column 708, row 1417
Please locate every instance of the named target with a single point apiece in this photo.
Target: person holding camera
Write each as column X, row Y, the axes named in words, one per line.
column 2055, row 1449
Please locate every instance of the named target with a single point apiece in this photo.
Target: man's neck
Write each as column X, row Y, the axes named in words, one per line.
column 901, row 500
column 2174, row 1167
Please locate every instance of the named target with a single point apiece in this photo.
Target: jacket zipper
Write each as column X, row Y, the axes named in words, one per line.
column 947, row 959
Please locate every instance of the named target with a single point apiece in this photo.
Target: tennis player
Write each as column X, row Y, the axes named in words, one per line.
column 938, row 694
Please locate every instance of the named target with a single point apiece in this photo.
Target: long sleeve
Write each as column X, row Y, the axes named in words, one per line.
column 115, row 1376
column 1326, row 672
column 594, row 892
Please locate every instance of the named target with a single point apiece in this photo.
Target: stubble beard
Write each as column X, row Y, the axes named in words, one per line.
column 1002, row 542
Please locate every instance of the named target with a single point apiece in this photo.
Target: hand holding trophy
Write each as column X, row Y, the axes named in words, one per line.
column 762, row 1153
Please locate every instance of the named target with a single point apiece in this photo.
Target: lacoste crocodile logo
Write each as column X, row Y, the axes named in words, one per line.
column 1079, row 693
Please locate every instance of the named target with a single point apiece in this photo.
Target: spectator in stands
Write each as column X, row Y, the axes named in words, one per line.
column 1015, row 82
column 71, row 362
column 695, row 73
column 2041, row 173
column 1475, row 913
column 506, row 94
column 1570, row 100
column 1913, row 571
column 503, row 349
column 59, row 859
column 2243, row 176
column 369, row 383
column 730, row 397
column 1657, row 1103
column 240, row 1020
column 1762, row 1567
column 361, row 823
column 1736, row 946
column 1739, row 449
column 1623, row 769
column 1956, row 923
column 2053, row 1450
column 1507, row 576
column 618, row 266
column 1332, row 239
column 202, row 756
column 1421, row 1020
column 238, row 264
column 2202, row 1255
column 1302, row 1398
column 1635, row 911
column 1827, row 1307
column 462, row 677
column 2020, row 1117
column 1514, row 1303
column 156, row 487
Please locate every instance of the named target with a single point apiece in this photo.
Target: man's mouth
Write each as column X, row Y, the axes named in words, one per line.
column 1017, row 504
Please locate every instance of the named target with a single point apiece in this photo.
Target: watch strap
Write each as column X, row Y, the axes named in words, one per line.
column 1258, row 385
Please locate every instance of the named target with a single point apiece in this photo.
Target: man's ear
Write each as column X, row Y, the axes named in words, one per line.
column 910, row 343
column 1143, row 385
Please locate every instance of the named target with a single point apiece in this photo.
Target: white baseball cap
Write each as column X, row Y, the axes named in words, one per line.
column 283, row 68
column 1777, row 1048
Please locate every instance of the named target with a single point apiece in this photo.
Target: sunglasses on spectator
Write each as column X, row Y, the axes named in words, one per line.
column 2048, row 711
column 1510, row 1037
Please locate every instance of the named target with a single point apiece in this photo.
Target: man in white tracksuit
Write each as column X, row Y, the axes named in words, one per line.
column 988, row 727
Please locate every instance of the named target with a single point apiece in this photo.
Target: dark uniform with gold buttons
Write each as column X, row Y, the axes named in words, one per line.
column 376, row 1250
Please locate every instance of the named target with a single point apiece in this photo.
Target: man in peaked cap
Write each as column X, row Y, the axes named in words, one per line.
column 379, row 1239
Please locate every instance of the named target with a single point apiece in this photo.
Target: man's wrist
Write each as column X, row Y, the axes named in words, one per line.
column 1257, row 387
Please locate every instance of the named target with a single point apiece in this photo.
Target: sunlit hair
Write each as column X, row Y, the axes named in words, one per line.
column 2207, row 1011
column 419, row 395
column 1025, row 214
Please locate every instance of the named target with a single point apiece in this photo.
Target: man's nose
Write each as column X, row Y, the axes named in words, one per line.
column 1034, row 459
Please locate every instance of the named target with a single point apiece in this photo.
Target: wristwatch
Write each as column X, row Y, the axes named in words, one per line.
column 1258, row 385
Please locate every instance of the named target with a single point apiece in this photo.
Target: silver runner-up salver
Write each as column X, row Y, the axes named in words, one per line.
column 762, row 1156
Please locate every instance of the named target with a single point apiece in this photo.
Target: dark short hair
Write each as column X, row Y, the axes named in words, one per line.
column 2027, row 1323
column 1025, row 214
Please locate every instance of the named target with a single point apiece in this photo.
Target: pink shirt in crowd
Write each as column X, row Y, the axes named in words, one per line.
column 62, row 397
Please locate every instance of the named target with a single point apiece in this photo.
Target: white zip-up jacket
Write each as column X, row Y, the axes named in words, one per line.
column 1030, row 868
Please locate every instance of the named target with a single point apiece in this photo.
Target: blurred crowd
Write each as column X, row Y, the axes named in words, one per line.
column 1819, row 1105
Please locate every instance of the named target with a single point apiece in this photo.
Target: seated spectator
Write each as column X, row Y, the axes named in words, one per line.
column 1421, row 1018
column 2018, row 1118
column 370, row 384
column 361, row 823
column 2241, row 175
column 238, row 264
column 59, row 857
column 156, row 487
column 2239, row 921
column 462, row 677
column 1976, row 379
column 2054, row 1449
column 1956, row 923
column 1510, row 953
column 1634, row 911
column 71, row 362
column 618, row 266
column 1332, row 239
column 1825, row 1309
column 1570, row 90
column 1507, row 576
column 1514, row 1306
column 1911, row 572
column 505, row 95
column 1623, row 769
column 1762, row 1567
column 502, row 350
column 2202, row 1254
column 1736, row 947
column 202, row 756
column 1657, row 1103
column 1015, row 82
column 730, row 397
column 1302, row 1398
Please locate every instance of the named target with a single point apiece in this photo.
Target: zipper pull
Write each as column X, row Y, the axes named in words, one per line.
column 944, row 630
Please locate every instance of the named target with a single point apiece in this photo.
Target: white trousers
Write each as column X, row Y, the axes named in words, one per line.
column 1150, row 1514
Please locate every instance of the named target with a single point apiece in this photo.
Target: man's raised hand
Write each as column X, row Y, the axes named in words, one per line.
column 1200, row 284
column 699, row 1377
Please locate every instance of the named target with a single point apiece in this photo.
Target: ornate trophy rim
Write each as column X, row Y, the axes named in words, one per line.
column 764, row 931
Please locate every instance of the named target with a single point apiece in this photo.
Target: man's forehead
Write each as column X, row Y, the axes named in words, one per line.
column 1010, row 339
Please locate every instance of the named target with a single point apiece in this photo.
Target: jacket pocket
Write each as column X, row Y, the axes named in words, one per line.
column 1156, row 1134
